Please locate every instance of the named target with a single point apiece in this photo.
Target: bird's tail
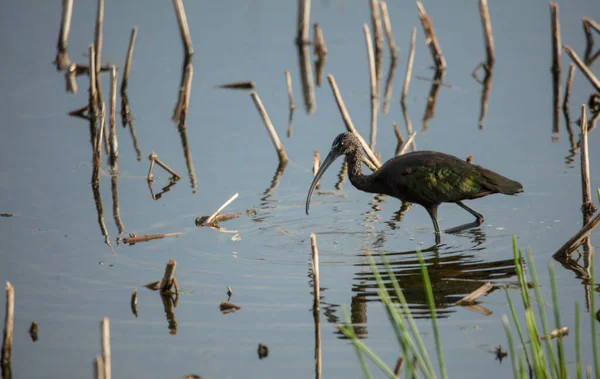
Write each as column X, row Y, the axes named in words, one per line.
column 500, row 184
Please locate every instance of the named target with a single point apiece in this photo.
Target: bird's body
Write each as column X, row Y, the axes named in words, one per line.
column 426, row 178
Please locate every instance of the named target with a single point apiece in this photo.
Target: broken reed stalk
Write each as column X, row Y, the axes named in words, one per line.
column 97, row 154
column 374, row 89
column 409, row 141
column 232, row 198
column 378, row 34
column 184, row 28
column 9, row 322
column 568, row 89
column 105, row 330
column 113, row 143
column 409, row 65
column 98, row 36
column 115, row 198
column 556, row 66
column 149, row 237
column 63, row 61
column 127, row 69
column 587, row 207
column 470, row 298
column 398, row 135
column 583, row 67
column 315, row 272
column 153, row 157
column 574, row 241
column 167, row 280
column 270, row 128
column 487, row 32
column 387, row 97
column 588, row 25
column 387, row 25
column 348, row 121
column 319, row 46
column 288, row 82
column 316, row 164
column 432, row 41
column 99, row 367
column 93, row 92
column 303, row 22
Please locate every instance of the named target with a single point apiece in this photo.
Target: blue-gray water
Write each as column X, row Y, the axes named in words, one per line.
column 52, row 247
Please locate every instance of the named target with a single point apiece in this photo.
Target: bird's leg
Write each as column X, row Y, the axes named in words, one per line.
column 432, row 210
column 478, row 219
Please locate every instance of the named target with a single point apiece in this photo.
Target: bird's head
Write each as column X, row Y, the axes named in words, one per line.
column 344, row 143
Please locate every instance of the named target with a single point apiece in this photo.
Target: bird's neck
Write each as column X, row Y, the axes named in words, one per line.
column 357, row 178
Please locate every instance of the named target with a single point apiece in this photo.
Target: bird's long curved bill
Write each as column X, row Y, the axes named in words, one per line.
column 326, row 163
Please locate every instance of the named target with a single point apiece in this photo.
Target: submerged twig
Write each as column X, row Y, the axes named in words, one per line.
column 270, row 128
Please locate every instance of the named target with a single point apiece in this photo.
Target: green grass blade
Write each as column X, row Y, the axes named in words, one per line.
column 348, row 331
column 518, row 258
column 517, row 325
column 421, row 353
column 432, row 309
column 562, row 364
column 511, row 346
column 578, row 339
column 542, row 314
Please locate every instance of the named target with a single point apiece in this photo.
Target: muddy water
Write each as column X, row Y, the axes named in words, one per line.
column 66, row 278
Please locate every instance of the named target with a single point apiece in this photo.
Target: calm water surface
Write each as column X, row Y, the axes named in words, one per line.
column 52, row 247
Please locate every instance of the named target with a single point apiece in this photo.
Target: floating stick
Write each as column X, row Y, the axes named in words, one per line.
column 348, row 121
column 105, row 330
column 388, row 29
column 63, row 61
column 582, row 66
column 377, row 31
column 432, row 41
column 238, row 85
column 184, row 28
column 588, row 207
column 133, row 239
column 409, row 65
column 113, row 143
column 315, row 272
column 210, row 219
column 288, row 81
column 270, row 128
column 470, row 298
column 9, row 322
column 374, row 88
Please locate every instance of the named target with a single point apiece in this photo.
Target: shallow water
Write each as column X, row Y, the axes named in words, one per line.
column 52, row 246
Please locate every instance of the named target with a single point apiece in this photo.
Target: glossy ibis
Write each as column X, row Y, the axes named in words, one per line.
column 426, row 178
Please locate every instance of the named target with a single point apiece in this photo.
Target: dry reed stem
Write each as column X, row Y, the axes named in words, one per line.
column 378, row 34
column 576, row 240
column 167, row 280
column 316, row 164
column 270, row 128
column 387, row 98
column 232, row 198
column 583, row 67
column 409, row 65
column 315, row 272
column 348, row 121
column 184, row 28
column 114, row 144
column 568, row 88
column 409, row 141
column 127, row 69
column 387, row 25
column 374, row 87
column 115, row 198
column 487, row 32
column 319, row 46
column 97, row 154
column 303, row 22
column 9, row 322
column 106, row 356
column 432, row 41
column 93, row 92
column 99, row 367
column 98, row 35
column 470, row 298
column 587, row 207
column 62, row 60
column 398, row 368
column 288, row 82
column 398, row 135
column 556, row 66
